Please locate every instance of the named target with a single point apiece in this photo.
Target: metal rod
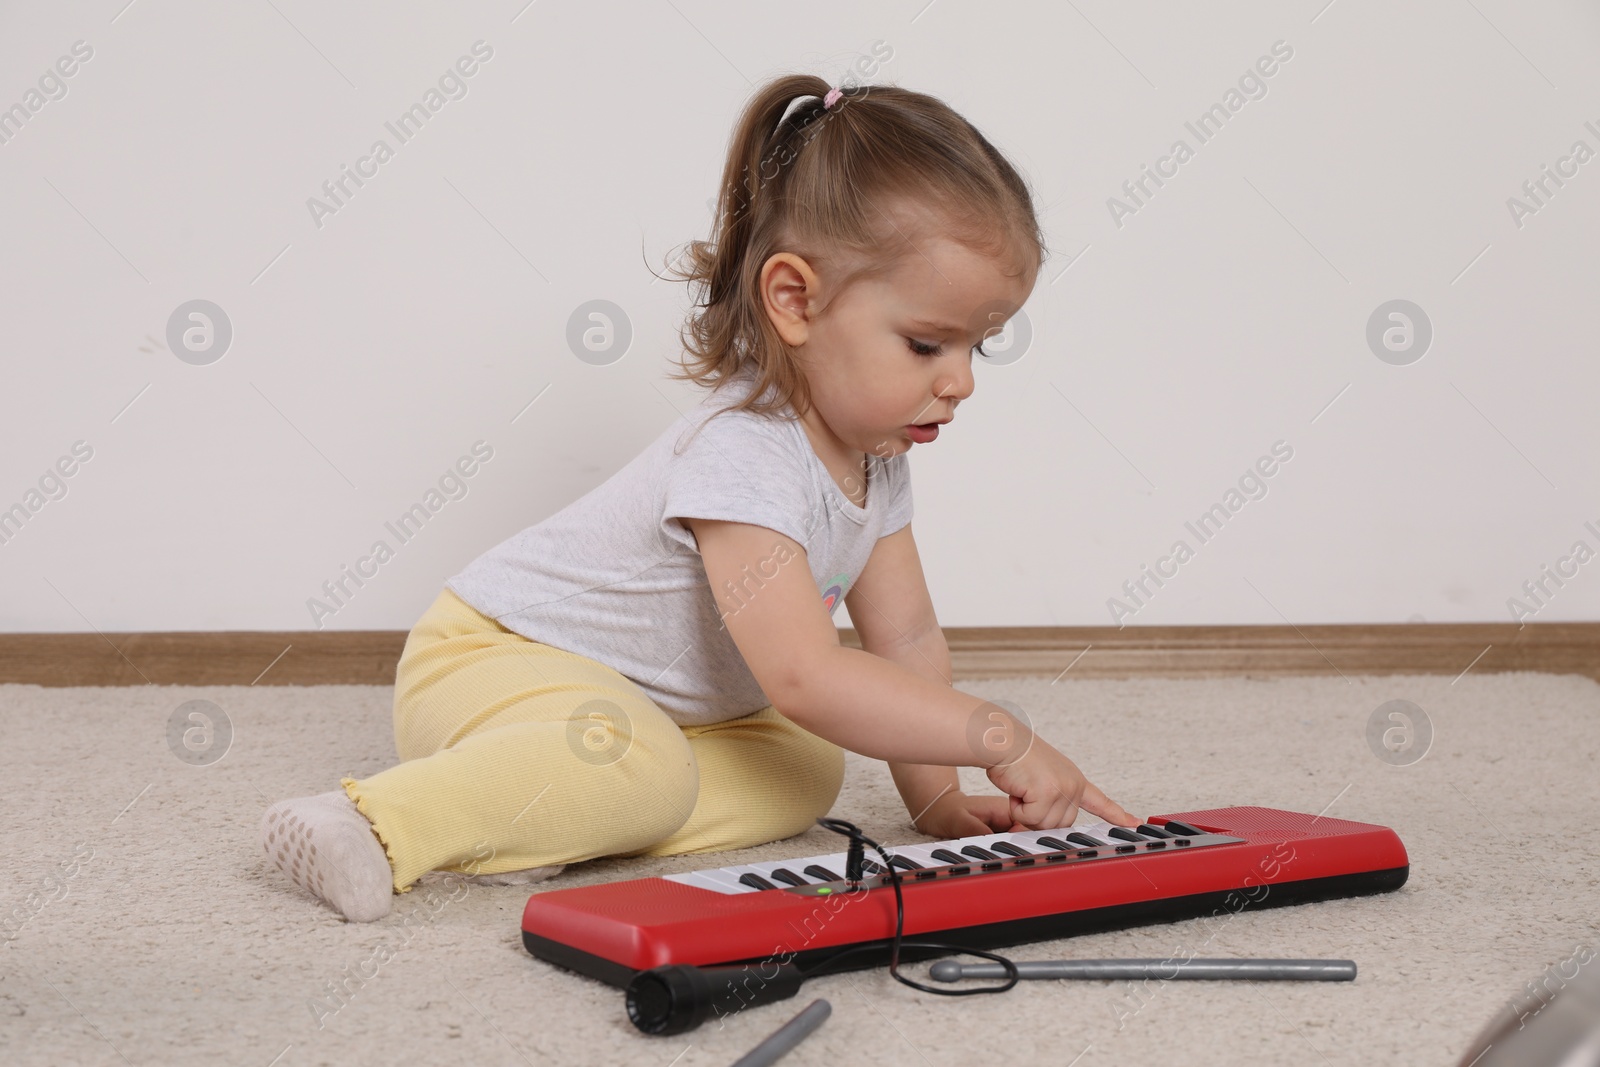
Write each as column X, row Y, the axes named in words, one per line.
column 786, row 1036
column 1256, row 969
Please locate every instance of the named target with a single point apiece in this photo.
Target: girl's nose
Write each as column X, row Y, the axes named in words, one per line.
column 956, row 384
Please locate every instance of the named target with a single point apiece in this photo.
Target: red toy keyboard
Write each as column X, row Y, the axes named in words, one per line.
column 987, row 891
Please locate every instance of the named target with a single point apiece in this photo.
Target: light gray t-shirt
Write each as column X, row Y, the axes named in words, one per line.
column 616, row 577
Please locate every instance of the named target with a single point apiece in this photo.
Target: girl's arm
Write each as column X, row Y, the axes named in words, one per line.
column 920, row 784
column 873, row 706
column 866, row 703
column 931, row 791
column 893, row 616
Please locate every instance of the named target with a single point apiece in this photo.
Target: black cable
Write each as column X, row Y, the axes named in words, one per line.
column 857, row 838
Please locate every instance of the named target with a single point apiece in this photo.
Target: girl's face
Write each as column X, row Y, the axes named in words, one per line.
column 892, row 351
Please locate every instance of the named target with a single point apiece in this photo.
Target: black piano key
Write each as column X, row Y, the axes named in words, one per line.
column 1183, row 828
column 1152, row 831
column 787, row 877
column 1085, row 839
column 905, row 863
column 979, row 853
column 869, row 867
column 822, row 874
column 1010, row 849
column 1123, row 834
column 946, row 855
column 1055, row 843
column 755, row 881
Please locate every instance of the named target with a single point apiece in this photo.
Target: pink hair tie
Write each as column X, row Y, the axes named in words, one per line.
column 832, row 98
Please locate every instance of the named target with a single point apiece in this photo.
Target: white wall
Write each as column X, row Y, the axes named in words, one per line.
column 372, row 351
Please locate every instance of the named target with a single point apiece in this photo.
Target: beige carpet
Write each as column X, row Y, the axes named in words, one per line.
column 144, row 927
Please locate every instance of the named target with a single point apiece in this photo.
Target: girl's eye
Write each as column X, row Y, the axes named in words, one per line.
column 923, row 349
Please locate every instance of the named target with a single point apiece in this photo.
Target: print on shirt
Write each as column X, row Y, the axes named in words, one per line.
column 835, row 591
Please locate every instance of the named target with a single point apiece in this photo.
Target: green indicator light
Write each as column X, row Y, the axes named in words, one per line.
column 824, row 890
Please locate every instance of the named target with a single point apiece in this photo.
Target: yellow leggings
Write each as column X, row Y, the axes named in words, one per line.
column 518, row 754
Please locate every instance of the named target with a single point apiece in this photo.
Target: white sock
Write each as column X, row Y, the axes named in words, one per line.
column 328, row 848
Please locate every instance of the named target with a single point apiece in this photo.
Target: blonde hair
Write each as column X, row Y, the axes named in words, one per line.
column 817, row 186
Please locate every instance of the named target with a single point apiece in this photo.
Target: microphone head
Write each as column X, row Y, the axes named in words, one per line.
column 676, row 997
column 946, row 970
column 667, row 1000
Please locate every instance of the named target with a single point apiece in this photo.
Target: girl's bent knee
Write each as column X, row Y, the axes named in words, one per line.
column 829, row 778
column 659, row 774
column 822, row 783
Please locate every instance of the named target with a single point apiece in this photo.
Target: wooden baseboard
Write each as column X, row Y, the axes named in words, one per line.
column 1213, row 651
column 244, row 657
column 369, row 657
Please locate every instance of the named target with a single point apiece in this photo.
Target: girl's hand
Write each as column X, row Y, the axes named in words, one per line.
column 955, row 814
column 1045, row 790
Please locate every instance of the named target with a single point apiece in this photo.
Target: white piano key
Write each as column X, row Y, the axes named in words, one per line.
column 723, row 877
column 703, row 880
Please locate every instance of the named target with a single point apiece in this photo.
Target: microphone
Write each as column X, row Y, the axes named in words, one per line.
column 677, row 997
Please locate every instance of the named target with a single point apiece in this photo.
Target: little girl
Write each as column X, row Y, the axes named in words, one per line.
column 653, row 670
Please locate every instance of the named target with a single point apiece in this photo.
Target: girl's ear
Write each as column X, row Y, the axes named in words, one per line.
column 789, row 292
